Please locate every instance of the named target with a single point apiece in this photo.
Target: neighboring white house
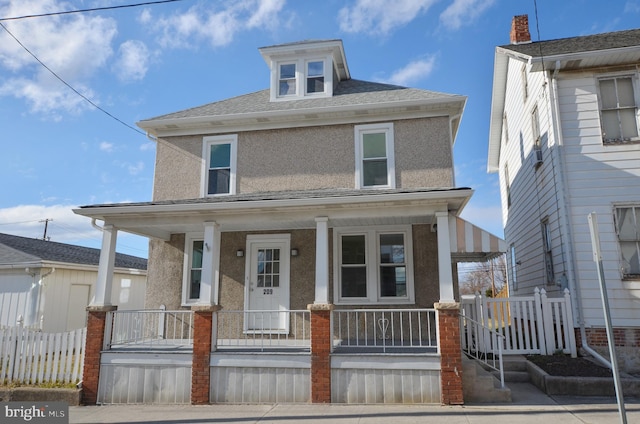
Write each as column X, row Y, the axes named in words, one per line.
column 50, row 284
column 564, row 140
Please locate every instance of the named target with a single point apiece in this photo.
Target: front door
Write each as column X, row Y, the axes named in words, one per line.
column 267, row 283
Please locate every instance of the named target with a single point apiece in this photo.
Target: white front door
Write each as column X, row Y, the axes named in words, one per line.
column 267, row 283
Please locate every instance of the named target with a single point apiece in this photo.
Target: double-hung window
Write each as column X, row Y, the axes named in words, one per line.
column 375, row 163
column 297, row 78
column 192, row 270
column 618, row 110
column 219, row 177
column 287, row 79
column 627, row 221
column 374, row 265
column 315, row 76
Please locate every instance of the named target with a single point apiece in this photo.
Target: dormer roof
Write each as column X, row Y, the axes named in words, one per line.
column 309, row 47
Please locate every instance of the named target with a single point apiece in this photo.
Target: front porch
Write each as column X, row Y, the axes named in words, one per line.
column 376, row 356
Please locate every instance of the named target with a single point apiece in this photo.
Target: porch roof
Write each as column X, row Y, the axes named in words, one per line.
column 284, row 210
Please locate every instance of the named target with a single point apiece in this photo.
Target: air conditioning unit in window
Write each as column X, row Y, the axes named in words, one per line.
column 537, row 156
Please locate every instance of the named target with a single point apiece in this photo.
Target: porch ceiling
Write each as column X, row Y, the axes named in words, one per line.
column 280, row 211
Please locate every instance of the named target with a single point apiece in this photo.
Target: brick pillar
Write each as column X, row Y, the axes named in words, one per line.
column 320, row 352
column 200, row 372
column 448, row 315
column 96, row 321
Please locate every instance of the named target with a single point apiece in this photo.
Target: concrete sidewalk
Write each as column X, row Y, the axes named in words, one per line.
column 529, row 405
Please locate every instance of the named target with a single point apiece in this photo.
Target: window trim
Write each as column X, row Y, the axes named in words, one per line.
column 547, row 248
column 636, row 96
column 372, row 261
column 209, row 141
column 359, row 131
column 190, row 238
column 624, row 276
column 301, row 77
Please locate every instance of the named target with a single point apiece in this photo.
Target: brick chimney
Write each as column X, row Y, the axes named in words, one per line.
column 520, row 30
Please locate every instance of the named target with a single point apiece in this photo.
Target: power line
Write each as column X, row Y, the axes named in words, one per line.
column 88, row 10
column 69, row 85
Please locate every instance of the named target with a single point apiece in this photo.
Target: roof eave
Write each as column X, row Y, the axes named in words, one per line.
column 500, row 69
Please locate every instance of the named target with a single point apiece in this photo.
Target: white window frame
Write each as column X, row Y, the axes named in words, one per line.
column 209, row 141
column 186, row 270
column 624, row 267
column 301, row 77
column 387, row 129
column 372, row 262
column 636, row 97
column 295, row 78
column 547, row 248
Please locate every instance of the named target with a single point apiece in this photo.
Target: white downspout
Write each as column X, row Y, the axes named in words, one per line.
column 563, row 206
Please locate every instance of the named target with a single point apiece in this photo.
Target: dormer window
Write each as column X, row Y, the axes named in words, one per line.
column 315, row 76
column 306, row 69
column 299, row 78
column 287, row 80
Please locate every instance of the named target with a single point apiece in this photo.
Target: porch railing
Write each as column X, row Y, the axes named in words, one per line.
column 384, row 330
column 483, row 344
column 263, row 330
column 151, row 327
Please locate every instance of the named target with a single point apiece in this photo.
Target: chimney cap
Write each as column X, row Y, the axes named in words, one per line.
column 520, row 30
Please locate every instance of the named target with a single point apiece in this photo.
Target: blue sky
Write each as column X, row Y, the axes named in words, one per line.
column 59, row 152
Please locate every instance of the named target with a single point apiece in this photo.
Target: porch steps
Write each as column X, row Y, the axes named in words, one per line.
column 480, row 386
column 515, row 369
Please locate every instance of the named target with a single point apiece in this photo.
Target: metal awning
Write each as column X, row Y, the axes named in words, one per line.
column 470, row 243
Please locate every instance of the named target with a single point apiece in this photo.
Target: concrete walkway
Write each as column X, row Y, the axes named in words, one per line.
column 530, row 405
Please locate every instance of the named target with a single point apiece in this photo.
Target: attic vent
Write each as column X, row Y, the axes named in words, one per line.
column 412, row 108
column 262, row 119
column 171, row 126
column 311, row 116
column 362, row 112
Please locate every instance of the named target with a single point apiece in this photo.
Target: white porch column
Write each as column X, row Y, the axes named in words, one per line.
column 322, row 260
column 210, row 264
column 444, row 258
column 105, row 268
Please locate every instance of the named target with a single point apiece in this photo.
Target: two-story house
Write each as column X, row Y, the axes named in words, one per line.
column 564, row 139
column 320, row 194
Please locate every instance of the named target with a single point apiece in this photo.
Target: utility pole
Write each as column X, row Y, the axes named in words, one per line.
column 46, row 224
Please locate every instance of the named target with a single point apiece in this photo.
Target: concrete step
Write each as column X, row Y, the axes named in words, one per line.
column 480, row 386
column 514, row 376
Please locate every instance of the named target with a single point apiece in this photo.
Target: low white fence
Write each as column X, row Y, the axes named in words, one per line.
column 31, row 357
column 150, row 327
column 384, row 329
column 527, row 324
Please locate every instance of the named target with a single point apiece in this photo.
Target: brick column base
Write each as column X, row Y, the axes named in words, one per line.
column 450, row 353
column 320, row 352
column 96, row 321
column 200, row 372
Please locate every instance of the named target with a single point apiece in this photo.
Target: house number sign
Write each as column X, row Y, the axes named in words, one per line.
column 267, row 291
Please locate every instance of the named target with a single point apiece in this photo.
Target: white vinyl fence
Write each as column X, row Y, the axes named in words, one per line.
column 534, row 324
column 28, row 356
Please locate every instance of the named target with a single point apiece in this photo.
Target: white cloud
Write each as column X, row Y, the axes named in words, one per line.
column 105, row 146
column 133, row 61
column 135, row 169
column 632, row 6
column 148, row 146
column 380, row 16
column 63, row 43
column 218, row 27
column 463, row 11
column 488, row 218
column 416, row 70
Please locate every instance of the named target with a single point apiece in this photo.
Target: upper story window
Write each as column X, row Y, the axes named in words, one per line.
column 374, row 266
column 303, row 77
column 618, row 110
column 219, row 177
column 375, row 167
column 287, row 79
column 627, row 222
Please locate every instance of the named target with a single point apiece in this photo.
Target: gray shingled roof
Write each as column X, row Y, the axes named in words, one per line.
column 586, row 43
column 347, row 93
column 16, row 249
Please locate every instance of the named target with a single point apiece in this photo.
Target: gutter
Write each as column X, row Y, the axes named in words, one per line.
column 564, row 217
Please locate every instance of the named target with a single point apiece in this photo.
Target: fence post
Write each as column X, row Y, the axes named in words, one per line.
column 485, row 337
column 540, row 327
column 568, row 324
column 161, row 322
column 547, row 322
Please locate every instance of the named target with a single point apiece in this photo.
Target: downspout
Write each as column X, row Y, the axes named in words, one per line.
column 565, row 220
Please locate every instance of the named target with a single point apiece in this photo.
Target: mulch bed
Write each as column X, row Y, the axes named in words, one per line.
column 566, row 366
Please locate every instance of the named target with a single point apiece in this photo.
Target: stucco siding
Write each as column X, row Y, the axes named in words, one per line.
column 307, row 158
